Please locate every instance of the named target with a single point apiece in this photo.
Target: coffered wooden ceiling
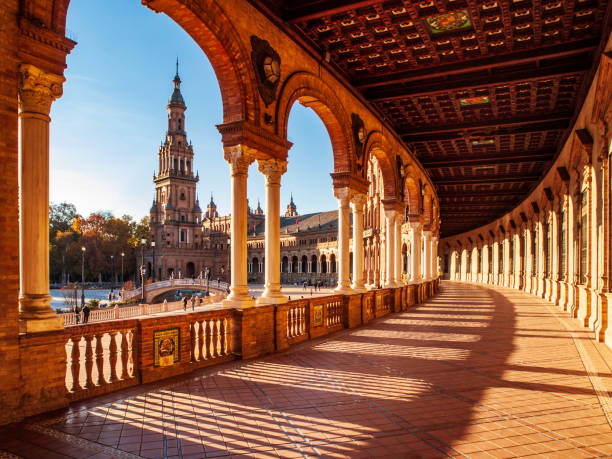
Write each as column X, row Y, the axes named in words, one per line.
column 484, row 92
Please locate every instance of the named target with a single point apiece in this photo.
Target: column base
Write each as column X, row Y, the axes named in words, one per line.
column 343, row 290
column 271, row 298
column 41, row 325
column 358, row 288
column 238, row 303
column 239, row 298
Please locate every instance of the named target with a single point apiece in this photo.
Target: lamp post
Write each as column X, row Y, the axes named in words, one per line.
column 122, row 255
column 229, row 260
column 83, row 249
column 207, row 274
column 153, row 269
column 112, row 273
column 142, row 268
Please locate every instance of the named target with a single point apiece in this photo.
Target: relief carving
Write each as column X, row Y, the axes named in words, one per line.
column 266, row 62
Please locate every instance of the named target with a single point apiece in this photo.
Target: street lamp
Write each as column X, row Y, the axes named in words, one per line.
column 229, row 261
column 142, row 267
column 122, row 255
column 83, row 249
column 153, row 269
column 207, row 274
column 112, row 273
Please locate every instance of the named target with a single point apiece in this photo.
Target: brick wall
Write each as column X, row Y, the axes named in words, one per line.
column 9, row 229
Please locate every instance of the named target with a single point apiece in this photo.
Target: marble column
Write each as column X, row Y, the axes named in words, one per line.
column 239, row 160
column 37, row 90
column 415, row 255
column 427, row 255
column 273, row 171
column 343, row 196
column 358, row 201
column 436, row 268
column 390, row 255
column 398, row 250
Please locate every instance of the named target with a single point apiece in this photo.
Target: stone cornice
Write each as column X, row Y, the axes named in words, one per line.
column 266, row 145
column 350, row 180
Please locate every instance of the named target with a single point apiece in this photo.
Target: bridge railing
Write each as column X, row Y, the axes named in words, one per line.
column 202, row 283
column 130, row 312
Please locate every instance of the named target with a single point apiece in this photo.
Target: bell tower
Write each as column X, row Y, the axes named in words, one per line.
column 176, row 215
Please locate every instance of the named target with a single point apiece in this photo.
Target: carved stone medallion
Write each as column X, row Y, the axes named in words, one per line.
column 266, row 62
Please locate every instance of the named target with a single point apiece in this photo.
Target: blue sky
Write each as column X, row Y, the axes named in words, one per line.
column 107, row 127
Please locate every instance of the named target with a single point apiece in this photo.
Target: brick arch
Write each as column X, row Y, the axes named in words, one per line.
column 214, row 33
column 378, row 146
column 428, row 209
column 313, row 92
column 411, row 195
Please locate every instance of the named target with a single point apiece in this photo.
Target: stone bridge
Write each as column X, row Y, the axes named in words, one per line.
column 155, row 289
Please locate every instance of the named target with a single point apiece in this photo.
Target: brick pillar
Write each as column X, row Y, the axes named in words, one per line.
column 37, row 90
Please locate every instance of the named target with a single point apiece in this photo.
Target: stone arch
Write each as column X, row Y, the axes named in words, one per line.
column 215, row 34
column 314, row 93
column 378, row 145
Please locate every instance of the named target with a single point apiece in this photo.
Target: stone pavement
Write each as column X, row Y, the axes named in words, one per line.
column 474, row 372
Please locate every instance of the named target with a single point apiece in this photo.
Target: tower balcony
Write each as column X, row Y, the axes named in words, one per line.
column 176, row 174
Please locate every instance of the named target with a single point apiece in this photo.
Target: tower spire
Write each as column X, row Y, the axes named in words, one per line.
column 177, row 67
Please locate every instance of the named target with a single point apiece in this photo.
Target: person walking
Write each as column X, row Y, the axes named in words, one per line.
column 86, row 311
column 76, row 313
column 192, row 302
column 184, row 303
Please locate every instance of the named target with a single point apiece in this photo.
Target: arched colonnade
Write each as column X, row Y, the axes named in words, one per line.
column 556, row 243
column 261, row 72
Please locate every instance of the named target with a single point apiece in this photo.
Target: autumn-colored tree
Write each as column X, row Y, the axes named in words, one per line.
column 104, row 237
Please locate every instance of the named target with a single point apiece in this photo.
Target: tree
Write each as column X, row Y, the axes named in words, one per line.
column 103, row 236
column 61, row 217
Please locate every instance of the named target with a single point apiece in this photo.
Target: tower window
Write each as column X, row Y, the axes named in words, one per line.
column 182, row 196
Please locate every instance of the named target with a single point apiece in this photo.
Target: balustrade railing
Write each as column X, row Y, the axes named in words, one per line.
column 100, row 358
column 106, row 356
column 211, row 336
column 334, row 311
column 296, row 320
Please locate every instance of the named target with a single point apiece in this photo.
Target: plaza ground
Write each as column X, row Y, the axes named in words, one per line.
column 473, row 372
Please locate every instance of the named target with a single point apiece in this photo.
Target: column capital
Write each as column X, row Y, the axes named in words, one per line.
column 415, row 226
column 272, row 169
column 239, row 158
column 38, row 89
column 358, row 200
column 343, row 195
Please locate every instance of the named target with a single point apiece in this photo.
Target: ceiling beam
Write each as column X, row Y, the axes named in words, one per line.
column 458, row 206
column 565, row 50
column 319, row 8
column 486, row 179
column 489, row 160
column 429, row 87
column 488, row 128
column 480, row 195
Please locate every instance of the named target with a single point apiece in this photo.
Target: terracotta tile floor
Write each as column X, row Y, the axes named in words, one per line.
column 475, row 372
